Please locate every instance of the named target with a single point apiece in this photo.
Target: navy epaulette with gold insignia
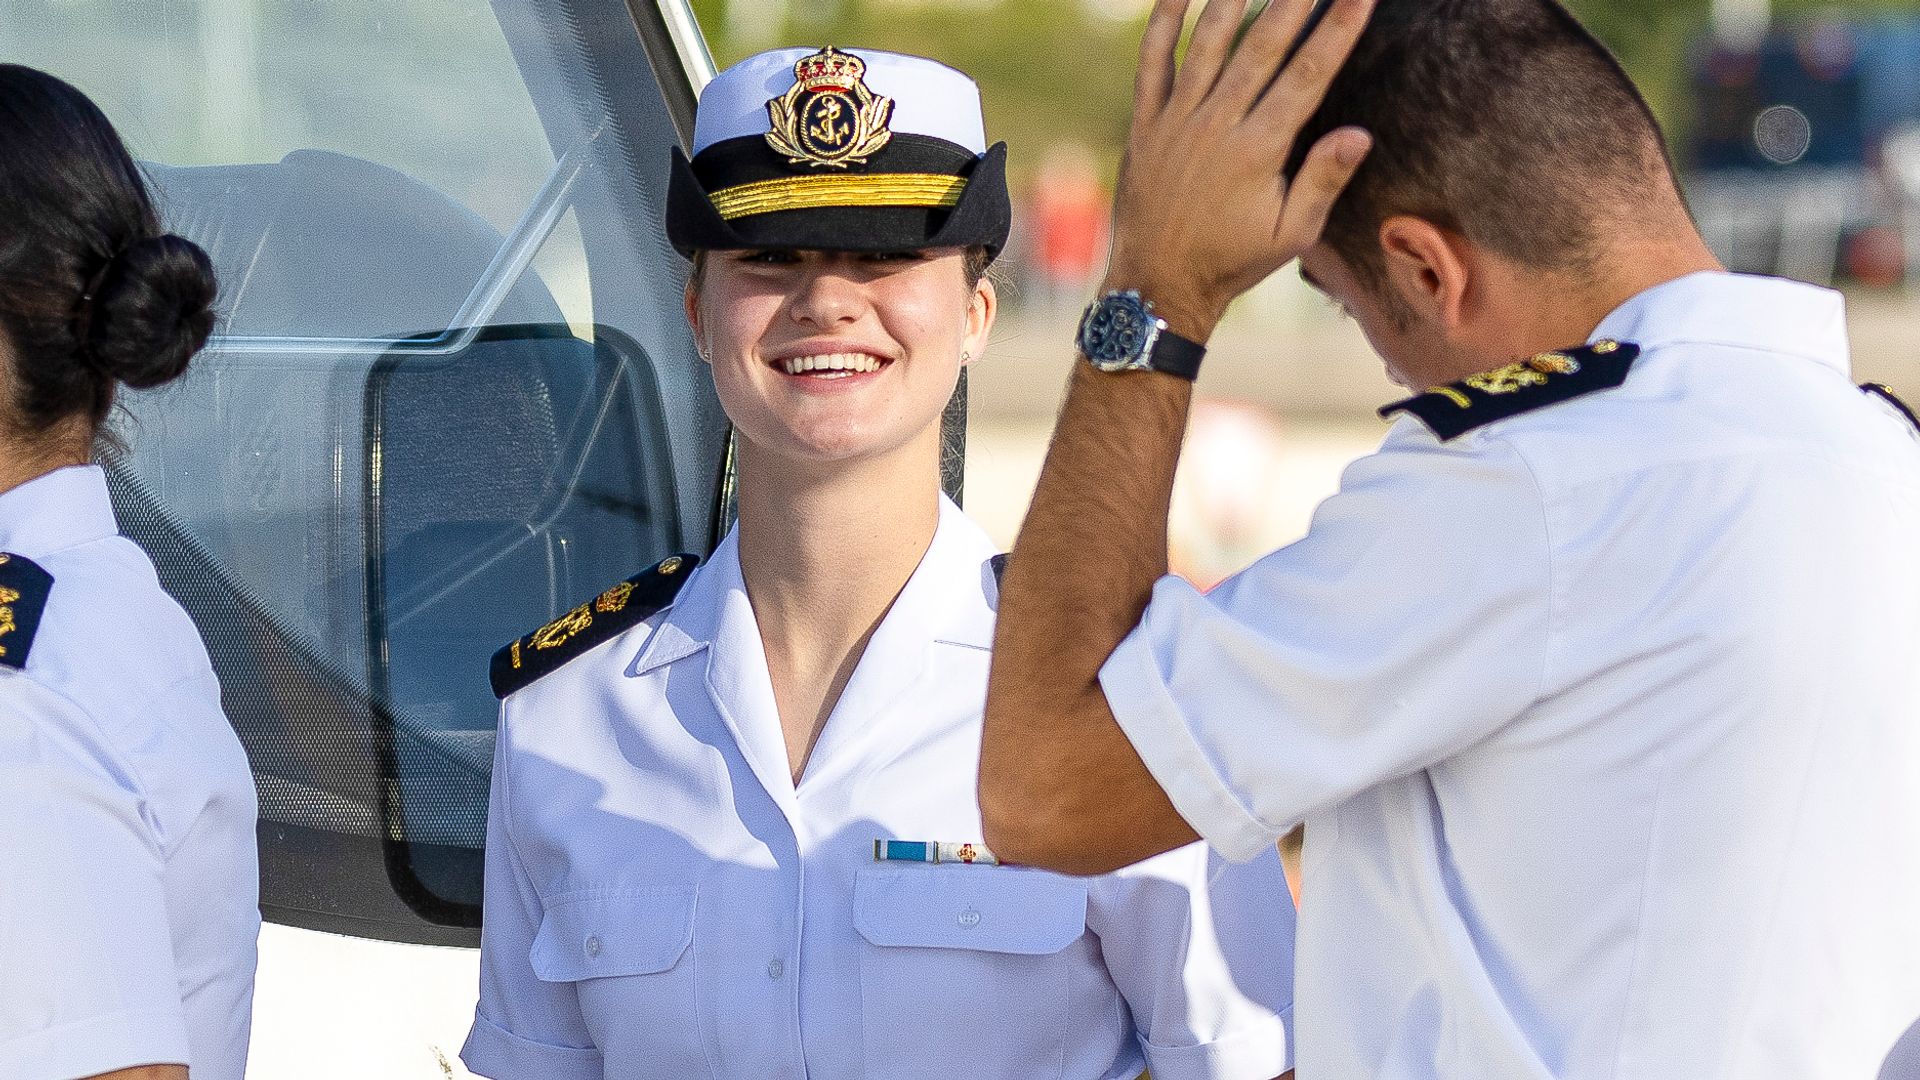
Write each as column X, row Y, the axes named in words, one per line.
column 24, row 588
column 1547, row 379
column 598, row 620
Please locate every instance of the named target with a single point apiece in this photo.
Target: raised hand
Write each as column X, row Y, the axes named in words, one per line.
column 1204, row 211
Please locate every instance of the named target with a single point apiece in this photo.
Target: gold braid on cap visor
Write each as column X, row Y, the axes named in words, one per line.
column 815, row 192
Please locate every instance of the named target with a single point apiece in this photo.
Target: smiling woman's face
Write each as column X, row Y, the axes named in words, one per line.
column 836, row 356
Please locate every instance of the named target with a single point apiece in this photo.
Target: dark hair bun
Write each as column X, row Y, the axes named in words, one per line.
column 152, row 310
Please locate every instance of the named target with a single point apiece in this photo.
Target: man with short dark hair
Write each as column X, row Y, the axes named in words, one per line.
column 1595, row 686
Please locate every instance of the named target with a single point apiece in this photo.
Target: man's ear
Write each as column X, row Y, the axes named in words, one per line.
column 1426, row 268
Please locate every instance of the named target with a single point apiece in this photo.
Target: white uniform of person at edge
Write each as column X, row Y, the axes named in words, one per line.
column 663, row 900
column 1604, row 720
column 125, row 804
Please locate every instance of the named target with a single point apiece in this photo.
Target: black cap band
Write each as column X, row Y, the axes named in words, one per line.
column 917, row 192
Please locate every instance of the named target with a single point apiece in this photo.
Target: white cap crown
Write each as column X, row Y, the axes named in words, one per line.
column 929, row 98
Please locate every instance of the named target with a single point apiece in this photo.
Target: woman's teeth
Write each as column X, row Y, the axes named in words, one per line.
column 832, row 365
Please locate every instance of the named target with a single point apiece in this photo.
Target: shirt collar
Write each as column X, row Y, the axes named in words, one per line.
column 1741, row 310
column 950, row 598
column 62, row 509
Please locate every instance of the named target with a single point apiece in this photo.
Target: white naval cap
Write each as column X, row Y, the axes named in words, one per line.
column 929, row 98
column 839, row 150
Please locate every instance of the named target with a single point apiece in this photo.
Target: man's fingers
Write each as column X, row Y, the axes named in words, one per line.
column 1303, row 85
column 1208, row 48
column 1257, row 60
column 1154, row 81
column 1327, row 171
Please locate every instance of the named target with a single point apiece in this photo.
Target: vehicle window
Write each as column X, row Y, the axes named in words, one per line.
column 452, row 394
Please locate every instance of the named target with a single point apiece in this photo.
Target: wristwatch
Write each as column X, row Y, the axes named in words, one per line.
column 1120, row 332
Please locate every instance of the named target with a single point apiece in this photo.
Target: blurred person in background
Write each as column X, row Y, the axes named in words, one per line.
column 1596, row 685
column 733, row 830
column 128, row 881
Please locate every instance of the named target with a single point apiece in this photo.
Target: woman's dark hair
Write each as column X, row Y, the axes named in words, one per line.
column 93, row 292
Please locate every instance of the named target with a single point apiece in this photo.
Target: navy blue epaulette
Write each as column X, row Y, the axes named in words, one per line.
column 1886, row 394
column 24, row 588
column 1547, row 379
column 600, row 619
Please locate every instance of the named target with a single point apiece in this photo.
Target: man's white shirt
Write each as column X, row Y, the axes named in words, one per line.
column 1602, row 720
column 129, row 888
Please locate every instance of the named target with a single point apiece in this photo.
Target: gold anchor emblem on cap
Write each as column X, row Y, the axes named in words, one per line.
column 829, row 117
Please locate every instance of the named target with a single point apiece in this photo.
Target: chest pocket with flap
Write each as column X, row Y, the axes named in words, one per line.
column 636, row 931
column 992, row 948
column 990, row 908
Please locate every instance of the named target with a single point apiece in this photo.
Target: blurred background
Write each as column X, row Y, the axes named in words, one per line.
column 1796, row 124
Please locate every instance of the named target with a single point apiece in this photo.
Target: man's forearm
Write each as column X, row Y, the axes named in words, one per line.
column 1094, row 544
column 1201, row 214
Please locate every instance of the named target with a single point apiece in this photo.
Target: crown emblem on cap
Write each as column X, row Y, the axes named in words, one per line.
column 829, row 117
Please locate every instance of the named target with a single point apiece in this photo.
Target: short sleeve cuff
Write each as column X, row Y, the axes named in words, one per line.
column 103, row 1044
column 1137, row 695
column 493, row 1051
column 1258, row 1052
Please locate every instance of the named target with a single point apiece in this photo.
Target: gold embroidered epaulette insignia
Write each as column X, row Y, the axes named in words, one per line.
column 1547, row 379
column 24, row 588
column 599, row 619
column 829, row 117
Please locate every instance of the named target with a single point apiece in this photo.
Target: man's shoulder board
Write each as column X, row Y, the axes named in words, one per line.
column 1547, row 379
column 1885, row 393
column 24, row 588
column 599, row 619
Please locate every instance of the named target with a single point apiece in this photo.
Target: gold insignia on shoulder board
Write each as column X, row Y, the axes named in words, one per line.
column 1553, row 363
column 1507, row 380
column 829, row 117
column 8, row 598
column 613, row 599
column 561, row 630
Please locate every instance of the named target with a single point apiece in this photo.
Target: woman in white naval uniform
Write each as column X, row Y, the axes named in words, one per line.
column 128, row 885
column 683, row 878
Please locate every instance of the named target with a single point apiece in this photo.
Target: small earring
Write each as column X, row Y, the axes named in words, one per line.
column 966, row 356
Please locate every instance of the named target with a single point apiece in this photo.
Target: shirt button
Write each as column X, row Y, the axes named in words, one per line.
column 775, row 969
column 593, row 945
column 969, row 919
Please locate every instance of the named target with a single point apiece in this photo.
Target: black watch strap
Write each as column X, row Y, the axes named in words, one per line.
column 1176, row 355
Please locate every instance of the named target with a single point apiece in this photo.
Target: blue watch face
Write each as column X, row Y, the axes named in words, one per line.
column 1115, row 333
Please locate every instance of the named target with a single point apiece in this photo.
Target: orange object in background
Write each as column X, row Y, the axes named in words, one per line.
column 1067, row 214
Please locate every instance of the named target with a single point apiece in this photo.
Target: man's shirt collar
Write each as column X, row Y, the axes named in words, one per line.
column 1739, row 310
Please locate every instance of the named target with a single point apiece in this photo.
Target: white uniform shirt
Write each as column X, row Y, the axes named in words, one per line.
column 662, row 902
column 129, row 890
column 1602, row 719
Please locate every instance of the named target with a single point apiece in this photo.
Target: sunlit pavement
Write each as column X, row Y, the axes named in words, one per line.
column 393, row 1012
